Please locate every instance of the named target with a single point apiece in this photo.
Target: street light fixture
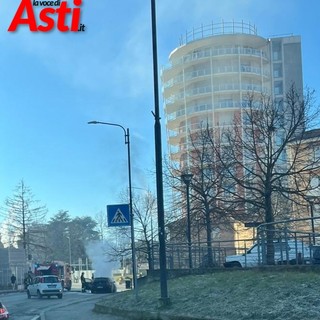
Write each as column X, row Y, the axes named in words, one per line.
column 186, row 178
column 127, row 142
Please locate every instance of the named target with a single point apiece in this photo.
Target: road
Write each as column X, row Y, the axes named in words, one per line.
column 73, row 306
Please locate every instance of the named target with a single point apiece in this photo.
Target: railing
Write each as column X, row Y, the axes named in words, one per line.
column 212, row 52
column 292, row 246
column 247, row 87
column 219, row 28
column 5, row 275
column 216, row 70
column 178, row 255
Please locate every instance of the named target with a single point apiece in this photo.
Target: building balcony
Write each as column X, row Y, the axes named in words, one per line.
column 207, row 91
column 208, row 54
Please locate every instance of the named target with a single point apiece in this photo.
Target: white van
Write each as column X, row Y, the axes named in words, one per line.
column 290, row 251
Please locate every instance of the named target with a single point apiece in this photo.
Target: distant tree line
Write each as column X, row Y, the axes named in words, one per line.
column 24, row 225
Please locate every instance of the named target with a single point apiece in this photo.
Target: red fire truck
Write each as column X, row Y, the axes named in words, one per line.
column 58, row 268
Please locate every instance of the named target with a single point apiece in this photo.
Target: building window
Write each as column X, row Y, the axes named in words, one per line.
column 276, row 51
column 229, row 189
column 225, row 103
column 277, row 70
column 278, row 87
column 316, row 153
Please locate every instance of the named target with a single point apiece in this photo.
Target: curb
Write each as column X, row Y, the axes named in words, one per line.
column 139, row 315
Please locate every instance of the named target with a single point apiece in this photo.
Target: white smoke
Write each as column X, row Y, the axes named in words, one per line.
column 101, row 264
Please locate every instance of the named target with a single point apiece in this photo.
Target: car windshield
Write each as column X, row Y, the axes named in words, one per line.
column 50, row 280
column 278, row 246
column 254, row 248
column 100, row 279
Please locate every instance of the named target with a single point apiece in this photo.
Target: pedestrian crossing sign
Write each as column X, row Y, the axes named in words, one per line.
column 118, row 215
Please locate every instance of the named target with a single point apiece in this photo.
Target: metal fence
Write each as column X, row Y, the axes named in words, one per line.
column 303, row 235
column 6, row 273
column 177, row 254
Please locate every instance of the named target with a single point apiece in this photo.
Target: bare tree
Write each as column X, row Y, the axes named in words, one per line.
column 144, row 210
column 100, row 219
column 263, row 163
column 207, row 187
column 119, row 245
column 24, row 215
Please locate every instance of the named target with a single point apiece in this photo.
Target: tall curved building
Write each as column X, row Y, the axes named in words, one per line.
column 210, row 74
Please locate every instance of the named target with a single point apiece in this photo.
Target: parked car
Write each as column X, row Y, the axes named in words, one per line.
column 4, row 313
column 48, row 286
column 103, row 285
column 284, row 252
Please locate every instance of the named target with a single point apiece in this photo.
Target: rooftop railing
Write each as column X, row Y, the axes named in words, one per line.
column 220, row 28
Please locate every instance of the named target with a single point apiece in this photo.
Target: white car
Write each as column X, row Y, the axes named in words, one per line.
column 290, row 251
column 45, row 286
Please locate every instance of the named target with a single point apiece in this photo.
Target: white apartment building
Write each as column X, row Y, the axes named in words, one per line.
column 210, row 74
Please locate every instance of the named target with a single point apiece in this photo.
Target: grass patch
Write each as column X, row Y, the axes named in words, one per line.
column 232, row 295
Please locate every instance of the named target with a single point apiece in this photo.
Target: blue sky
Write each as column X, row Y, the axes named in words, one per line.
column 53, row 83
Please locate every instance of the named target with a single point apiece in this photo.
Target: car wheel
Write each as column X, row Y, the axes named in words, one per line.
column 39, row 295
column 28, row 294
column 295, row 261
column 235, row 264
column 59, row 296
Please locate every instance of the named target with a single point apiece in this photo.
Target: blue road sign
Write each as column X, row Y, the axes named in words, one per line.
column 118, row 215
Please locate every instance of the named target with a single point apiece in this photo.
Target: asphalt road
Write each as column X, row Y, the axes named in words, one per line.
column 73, row 306
column 79, row 310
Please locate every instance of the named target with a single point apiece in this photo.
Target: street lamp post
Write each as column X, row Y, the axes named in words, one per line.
column 152, row 245
column 311, row 203
column 186, row 178
column 127, row 142
column 164, row 300
column 312, row 223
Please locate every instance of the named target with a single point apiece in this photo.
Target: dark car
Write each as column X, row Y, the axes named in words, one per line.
column 4, row 314
column 103, row 285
